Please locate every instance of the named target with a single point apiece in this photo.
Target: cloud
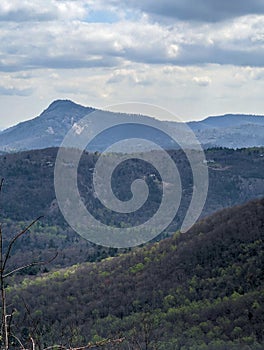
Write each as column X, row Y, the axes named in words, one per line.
column 196, row 10
column 234, row 89
column 61, row 38
column 12, row 91
column 101, row 52
column 40, row 10
column 45, row 46
column 130, row 76
column 202, row 81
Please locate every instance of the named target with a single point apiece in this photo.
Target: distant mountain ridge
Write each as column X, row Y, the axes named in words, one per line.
column 50, row 127
column 229, row 120
column 46, row 130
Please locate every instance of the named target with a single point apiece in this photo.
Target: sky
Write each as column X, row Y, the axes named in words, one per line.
column 194, row 58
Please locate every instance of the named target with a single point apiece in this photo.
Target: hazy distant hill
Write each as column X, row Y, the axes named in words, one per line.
column 228, row 121
column 203, row 290
column 233, row 131
column 46, row 130
column 50, row 127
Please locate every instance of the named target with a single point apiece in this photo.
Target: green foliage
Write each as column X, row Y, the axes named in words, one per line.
column 137, row 268
column 207, row 294
column 29, row 193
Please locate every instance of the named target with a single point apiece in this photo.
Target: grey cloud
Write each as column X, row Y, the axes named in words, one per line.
column 189, row 54
column 116, row 79
column 39, row 10
column 82, row 45
column 71, row 62
column 59, row 62
column 199, row 55
column 23, row 75
column 25, row 11
column 24, row 15
column 198, row 10
column 15, row 92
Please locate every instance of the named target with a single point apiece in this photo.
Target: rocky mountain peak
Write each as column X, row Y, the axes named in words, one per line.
column 64, row 107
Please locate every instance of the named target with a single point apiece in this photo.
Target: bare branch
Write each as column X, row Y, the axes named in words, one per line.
column 33, row 343
column 101, row 343
column 15, row 239
column 31, row 264
column 10, row 320
column 1, row 184
column 19, row 341
column 98, row 344
column 34, row 323
column 57, row 347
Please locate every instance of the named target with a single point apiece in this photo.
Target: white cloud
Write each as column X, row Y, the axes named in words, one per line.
column 202, row 81
column 130, row 76
column 99, row 52
column 76, row 43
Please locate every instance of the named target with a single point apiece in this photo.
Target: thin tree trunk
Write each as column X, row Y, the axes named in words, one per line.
column 4, row 330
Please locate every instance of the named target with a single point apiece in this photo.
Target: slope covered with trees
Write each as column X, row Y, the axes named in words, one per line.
column 200, row 290
column 235, row 176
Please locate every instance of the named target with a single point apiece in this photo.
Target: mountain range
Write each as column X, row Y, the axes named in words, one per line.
column 50, row 127
column 199, row 290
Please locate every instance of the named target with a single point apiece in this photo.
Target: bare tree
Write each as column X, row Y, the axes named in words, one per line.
column 6, row 333
column 6, row 317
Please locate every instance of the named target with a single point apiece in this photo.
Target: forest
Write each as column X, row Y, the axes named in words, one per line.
column 235, row 177
column 200, row 290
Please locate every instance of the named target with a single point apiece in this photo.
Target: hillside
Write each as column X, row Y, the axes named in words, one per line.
column 230, row 130
column 46, row 130
column 234, row 178
column 50, row 127
column 201, row 290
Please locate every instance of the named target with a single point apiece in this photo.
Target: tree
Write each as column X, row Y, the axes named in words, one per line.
column 6, row 317
column 6, row 332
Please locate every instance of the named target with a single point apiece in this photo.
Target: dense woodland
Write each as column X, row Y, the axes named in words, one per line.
column 235, row 176
column 196, row 291
column 199, row 290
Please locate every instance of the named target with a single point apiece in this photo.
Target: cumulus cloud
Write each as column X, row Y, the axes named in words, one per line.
column 114, row 51
column 61, row 38
column 44, row 45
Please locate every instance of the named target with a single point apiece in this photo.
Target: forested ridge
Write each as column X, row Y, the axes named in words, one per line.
column 199, row 290
column 235, row 176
